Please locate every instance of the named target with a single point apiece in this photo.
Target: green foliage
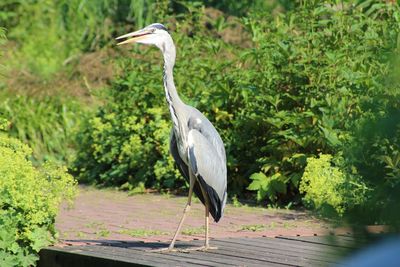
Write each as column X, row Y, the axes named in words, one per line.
column 29, row 201
column 127, row 139
column 310, row 77
column 315, row 73
column 241, row 8
column 267, row 186
column 63, row 29
column 2, row 35
column 47, row 124
column 328, row 188
column 375, row 152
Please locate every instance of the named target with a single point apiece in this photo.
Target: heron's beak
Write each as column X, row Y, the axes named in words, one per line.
column 133, row 36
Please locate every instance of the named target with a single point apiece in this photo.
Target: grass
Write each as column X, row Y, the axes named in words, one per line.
column 271, row 226
column 141, row 232
column 100, row 229
column 252, row 227
column 289, row 225
column 103, row 233
column 257, row 227
column 81, row 234
column 194, row 230
column 95, row 225
column 45, row 123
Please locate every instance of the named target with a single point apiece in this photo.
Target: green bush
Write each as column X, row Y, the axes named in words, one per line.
column 330, row 189
column 315, row 74
column 308, row 79
column 375, row 153
column 29, row 201
column 125, row 139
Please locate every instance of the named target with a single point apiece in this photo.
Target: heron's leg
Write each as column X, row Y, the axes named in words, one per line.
column 207, row 223
column 207, row 238
column 207, row 244
column 185, row 211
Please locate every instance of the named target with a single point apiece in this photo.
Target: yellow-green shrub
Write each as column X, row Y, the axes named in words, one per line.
column 29, row 201
column 328, row 188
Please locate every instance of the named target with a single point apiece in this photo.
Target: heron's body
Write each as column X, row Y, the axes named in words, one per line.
column 199, row 135
column 195, row 144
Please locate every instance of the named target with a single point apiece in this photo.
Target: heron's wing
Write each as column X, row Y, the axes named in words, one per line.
column 182, row 167
column 209, row 168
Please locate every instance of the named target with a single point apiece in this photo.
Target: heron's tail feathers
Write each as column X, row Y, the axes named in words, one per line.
column 216, row 205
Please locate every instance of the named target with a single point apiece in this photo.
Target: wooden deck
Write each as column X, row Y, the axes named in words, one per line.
column 279, row 251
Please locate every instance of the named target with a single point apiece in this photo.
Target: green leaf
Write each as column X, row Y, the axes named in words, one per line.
column 259, row 179
column 40, row 238
column 330, row 136
column 28, row 259
column 259, row 176
column 7, row 237
column 8, row 259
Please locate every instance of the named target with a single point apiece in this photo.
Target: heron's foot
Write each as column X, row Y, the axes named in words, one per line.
column 202, row 248
column 163, row 250
column 208, row 247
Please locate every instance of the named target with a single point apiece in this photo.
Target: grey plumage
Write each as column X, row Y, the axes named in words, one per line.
column 208, row 153
column 206, row 156
column 195, row 144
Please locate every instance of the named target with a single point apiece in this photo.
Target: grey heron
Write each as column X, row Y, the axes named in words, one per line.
column 195, row 144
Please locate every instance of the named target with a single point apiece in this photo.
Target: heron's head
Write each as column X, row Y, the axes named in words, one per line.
column 154, row 34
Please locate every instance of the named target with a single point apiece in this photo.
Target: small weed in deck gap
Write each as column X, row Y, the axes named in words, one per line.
column 103, row 233
column 252, row 227
column 81, row 234
column 95, row 225
column 194, row 230
column 141, row 232
column 257, row 227
column 64, row 235
column 288, row 225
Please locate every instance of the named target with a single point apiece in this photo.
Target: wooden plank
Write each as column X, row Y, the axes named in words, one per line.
column 172, row 257
column 285, row 245
column 62, row 258
column 219, row 260
column 266, row 258
column 179, row 257
column 292, row 257
column 94, row 255
column 215, row 259
column 152, row 257
column 279, row 244
column 145, row 249
column 313, row 246
column 315, row 260
column 276, row 252
column 324, row 241
column 273, row 251
column 212, row 259
column 223, row 260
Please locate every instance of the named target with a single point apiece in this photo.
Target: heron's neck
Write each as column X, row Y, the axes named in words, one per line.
column 169, row 61
column 175, row 104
